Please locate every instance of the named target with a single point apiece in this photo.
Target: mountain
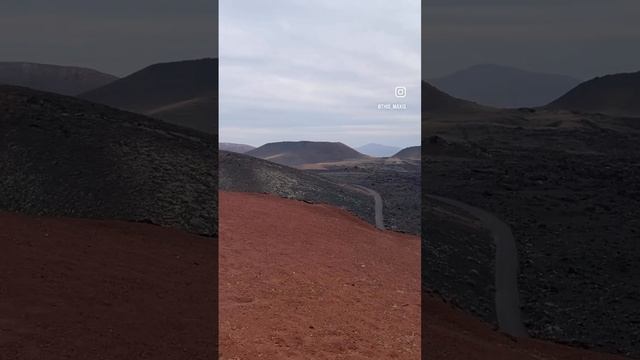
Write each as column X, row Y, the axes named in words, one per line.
column 65, row 80
column 232, row 147
column 183, row 93
column 305, row 152
column 243, row 173
column 410, row 153
column 435, row 100
column 378, row 150
column 504, row 86
column 617, row 95
column 63, row 156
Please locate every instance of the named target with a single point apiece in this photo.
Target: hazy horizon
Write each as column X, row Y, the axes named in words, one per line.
column 96, row 35
column 578, row 38
column 354, row 146
column 287, row 72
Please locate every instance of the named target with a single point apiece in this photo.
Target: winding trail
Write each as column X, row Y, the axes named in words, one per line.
column 507, row 298
column 378, row 204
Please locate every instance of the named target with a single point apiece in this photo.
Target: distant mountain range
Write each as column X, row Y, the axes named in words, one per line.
column 617, row 95
column 410, row 153
column 183, row 93
column 504, row 86
column 435, row 100
column 236, row 148
column 65, row 80
column 305, row 152
column 378, row 150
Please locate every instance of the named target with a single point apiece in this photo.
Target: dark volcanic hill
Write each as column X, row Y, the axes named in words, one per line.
column 305, row 152
column 184, row 93
column 64, row 156
column 617, row 95
column 410, row 153
column 243, row 173
column 437, row 101
column 504, row 86
column 238, row 148
column 66, row 80
column 536, row 169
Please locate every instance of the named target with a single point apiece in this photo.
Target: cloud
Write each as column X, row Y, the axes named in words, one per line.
column 583, row 38
column 115, row 36
column 287, row 66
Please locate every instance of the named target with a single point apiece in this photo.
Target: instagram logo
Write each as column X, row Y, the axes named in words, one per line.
column 401, row 92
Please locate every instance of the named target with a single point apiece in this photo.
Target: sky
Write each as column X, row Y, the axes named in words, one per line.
column 115, row 36
column 317, row 70
column 580, row 38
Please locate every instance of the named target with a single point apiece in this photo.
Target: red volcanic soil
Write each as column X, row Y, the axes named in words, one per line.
column 308, row 281
column 83, row 289
column 450, row 334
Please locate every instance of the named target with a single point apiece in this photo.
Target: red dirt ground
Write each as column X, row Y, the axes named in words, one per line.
column 297, row 281
column 82, row 289
column 303, row 281
column 450, row 334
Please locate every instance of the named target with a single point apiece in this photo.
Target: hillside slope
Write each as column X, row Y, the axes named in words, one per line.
column 297, row 153
column 79, row 289
column 451, row 334
column 63, row 156
column 617, row 95
column 435, row 100
column 183, row 92
column 505, row 86
column 243, row 173
column 233, row 147
column 413, row 153
column 314, row 282
column 65, row 80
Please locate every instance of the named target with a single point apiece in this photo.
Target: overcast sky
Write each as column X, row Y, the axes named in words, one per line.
column 114, row 36
column 581, row 38
column 316, row 70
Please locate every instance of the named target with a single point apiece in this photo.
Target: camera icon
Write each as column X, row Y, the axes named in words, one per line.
column 401, row 92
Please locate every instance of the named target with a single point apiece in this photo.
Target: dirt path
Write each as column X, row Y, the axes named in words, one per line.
column 507, row 297
column 378, row 205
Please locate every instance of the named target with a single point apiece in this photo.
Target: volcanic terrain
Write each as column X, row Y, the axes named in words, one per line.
column 505, row 86
column 617, row 95
column 310, row 281
column 62, row 156
column 65, row 80
column 89, row 289
column 243, row 173
column 410, row 153
column 299, row 153
column 567, row 184
column 183, row 93
column 233, row 147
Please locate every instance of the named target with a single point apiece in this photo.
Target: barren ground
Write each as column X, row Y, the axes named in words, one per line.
column 309, row 281
column 87, row 289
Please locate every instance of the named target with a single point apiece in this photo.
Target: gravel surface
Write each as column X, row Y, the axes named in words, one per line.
column 309, row 281
column 62, row 156
column 569, row 187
